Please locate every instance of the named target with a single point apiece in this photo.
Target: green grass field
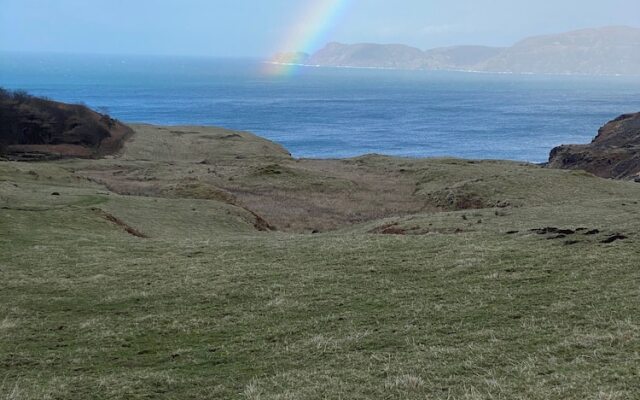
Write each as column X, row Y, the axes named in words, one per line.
column 185, row 268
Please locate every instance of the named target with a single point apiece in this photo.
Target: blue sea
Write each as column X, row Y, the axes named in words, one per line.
column 338, row 112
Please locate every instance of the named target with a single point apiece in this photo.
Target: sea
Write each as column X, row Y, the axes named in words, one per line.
column 317, row 112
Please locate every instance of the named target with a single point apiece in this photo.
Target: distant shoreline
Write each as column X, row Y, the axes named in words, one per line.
column 468, row 71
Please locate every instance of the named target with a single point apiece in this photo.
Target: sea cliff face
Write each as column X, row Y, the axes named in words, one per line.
column 601, row 51
column 614, row 153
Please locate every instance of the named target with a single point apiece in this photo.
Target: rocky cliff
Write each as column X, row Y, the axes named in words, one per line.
column 614, row 153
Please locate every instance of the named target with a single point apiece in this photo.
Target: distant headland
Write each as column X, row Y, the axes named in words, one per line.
column 611, row 50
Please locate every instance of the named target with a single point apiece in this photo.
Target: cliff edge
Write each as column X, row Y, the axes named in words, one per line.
column 614, row 153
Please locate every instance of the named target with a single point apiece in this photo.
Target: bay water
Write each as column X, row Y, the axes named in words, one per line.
column 337, row 112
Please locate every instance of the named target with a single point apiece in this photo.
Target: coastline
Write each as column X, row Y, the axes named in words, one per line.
column 453, row 70
column 338, row 158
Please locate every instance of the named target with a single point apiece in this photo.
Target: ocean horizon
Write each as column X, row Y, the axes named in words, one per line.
column 318, row 112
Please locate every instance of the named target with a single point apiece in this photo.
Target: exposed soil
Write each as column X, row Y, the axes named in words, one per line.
column 117, row 221
column 614, row 238
column 396, row 229
column 553, row 233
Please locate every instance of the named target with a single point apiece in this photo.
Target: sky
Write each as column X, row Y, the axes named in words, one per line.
column 259, row 28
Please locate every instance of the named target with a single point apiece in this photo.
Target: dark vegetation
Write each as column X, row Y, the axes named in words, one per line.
column 33, row 127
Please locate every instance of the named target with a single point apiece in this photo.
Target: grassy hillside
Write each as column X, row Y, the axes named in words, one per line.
column 185, row 268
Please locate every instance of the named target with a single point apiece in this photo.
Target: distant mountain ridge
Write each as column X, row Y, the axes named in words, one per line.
column 597, row 51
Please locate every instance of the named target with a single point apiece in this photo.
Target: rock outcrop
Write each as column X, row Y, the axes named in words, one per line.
column 33, row 128
column 614, row 153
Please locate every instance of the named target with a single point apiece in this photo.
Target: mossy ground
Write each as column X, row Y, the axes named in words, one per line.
column 457, row 304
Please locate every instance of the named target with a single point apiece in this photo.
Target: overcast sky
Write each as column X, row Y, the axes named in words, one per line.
column 258, row 27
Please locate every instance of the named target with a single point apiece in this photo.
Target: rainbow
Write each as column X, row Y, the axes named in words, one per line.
column 310, row 31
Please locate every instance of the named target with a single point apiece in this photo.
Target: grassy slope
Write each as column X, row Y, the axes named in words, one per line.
column 209, row 307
